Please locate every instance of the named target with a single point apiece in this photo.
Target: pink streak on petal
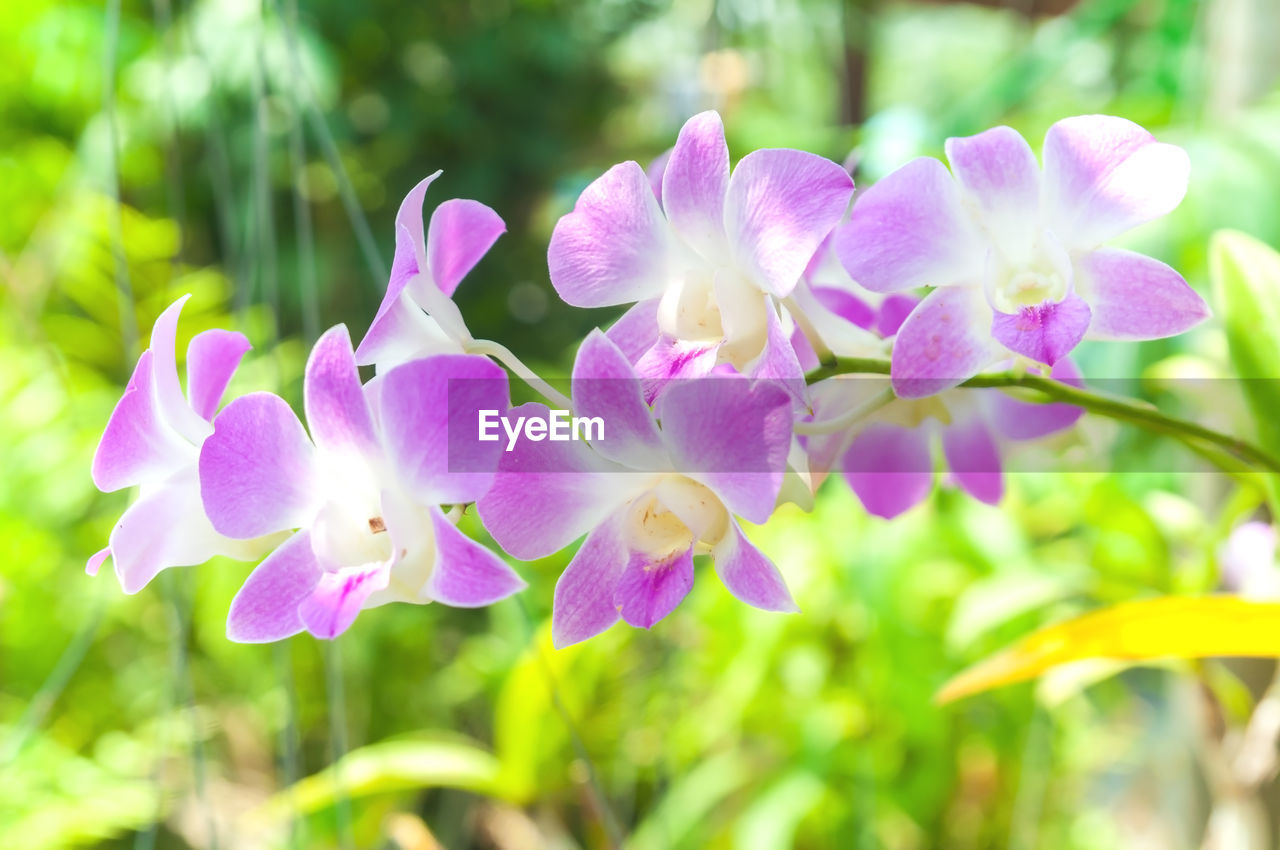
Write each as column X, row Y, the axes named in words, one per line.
column 337, row 414
column 974, row 459
column 584, row 593
column 212, row 358
column 256, row 473
column 461, row 232
column 779, row 207
column 670, row 360
column 650, row 588
column 337, row 598
column 1105, row 175
column 1135, row 297
column 694, row 183
column 749, row 575
column 266, row 607
column 467, row 575
column 1045, row 332
column 613, row 247
column 137, row 444
column 889, row 468
column 944, row 341
column 911, row 229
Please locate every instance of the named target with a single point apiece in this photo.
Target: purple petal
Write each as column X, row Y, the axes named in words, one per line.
column 461, row 232
column 337, row 598
column 170, row 401
column 749, row 575
column 256, row 472
column 732, row 435
column 1136, row 297
column 636, row 331
column 547, row 494
column 165, row 527
column 337, row 413
column 410, row 257
column 894, row 310
column 1045, row 332
column 778, row 362
column 212, row 358
column 846, row 305
column 910, row 230
column 266, row 608
column 670, row 359
column 655, row 172
column 1026, row 420
column 467, row 575
column 430, row 413
column 1001, row 178
column 779, row 206
column 612, row 249
column 889, row 468
column 584, row 593
column 1105, row 175
column 651, row 587
column 974, row 459
column 96, row 559
column 1247, row 559
column 944, row 342
column 605, row 386
column 694, row 183
column 137, row 445
column 402, row 333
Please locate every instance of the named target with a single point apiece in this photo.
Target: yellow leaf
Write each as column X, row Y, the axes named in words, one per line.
column 1166, row 627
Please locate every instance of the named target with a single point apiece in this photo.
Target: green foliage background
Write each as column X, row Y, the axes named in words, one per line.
column 132, row 722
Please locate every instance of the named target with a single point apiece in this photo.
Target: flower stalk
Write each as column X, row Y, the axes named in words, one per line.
column 1135, row 413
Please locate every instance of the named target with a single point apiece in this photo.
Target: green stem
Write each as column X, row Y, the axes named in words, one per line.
column 1136, row 413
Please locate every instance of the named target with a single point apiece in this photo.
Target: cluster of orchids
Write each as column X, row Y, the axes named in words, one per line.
column 712, row 400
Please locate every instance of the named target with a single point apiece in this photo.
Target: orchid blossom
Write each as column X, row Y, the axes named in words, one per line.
column 152, row 441
column 364, row 492
column 709, row 264
column 417, row 316
column 648, row 496
column 1015, row 255
column 888, row 459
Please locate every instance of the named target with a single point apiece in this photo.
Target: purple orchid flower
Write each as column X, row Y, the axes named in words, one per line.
column 709, row 263
column 1015, row 254
column 364, row 491
column 1248, row 561
column 648, row 496
column 888, row 461
column 418, row 317
column 152, row 441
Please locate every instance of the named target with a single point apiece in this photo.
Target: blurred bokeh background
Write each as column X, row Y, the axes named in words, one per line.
column 254, row 154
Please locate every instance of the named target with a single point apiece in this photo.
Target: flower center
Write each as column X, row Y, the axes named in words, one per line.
column 1028, row 288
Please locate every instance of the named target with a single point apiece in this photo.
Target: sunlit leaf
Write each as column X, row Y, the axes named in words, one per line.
column 1246, row 284
column 387, row 767
column 1166, row 627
